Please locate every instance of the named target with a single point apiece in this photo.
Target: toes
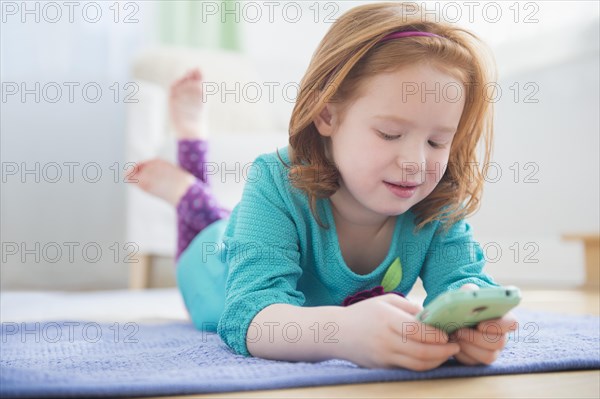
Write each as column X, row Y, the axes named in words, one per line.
column 148, row 166
column 187, row 95
column 131, row 177
column 196, row 74
column 187, row 87
column 191, row 75
column 178, row 82
column 134, row 173
column 176, row 85
column 156, row 163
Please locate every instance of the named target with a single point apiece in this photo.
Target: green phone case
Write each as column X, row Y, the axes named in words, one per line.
column 457, row 309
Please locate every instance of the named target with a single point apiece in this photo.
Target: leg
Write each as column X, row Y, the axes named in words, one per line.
column 186, row 187
column 191, row 156
column 196, row 209
column 186, row 106
column 186, row 112
column 193, row 199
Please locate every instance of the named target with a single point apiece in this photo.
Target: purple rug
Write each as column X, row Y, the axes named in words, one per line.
column 86, row 359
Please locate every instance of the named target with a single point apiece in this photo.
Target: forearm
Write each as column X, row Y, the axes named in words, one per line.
column 293, row 333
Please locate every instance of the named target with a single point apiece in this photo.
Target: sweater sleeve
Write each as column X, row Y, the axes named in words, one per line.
column 454, row 258
column 263, row 255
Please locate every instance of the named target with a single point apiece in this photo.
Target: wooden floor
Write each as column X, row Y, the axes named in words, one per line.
column 567, row 384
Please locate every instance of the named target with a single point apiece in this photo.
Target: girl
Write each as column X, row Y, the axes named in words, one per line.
column 370, row 194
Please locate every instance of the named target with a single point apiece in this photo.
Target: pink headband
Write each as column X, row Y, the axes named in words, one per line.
column 396, row 35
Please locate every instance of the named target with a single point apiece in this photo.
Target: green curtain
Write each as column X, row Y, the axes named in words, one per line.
column 181, row 23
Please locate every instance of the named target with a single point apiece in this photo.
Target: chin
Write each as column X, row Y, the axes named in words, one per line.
column 393, row 211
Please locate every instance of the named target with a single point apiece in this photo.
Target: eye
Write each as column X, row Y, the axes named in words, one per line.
column 387, row 136
column 436, row 145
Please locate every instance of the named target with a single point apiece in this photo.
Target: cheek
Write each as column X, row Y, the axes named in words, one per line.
column 436, row 166
column 353, row 151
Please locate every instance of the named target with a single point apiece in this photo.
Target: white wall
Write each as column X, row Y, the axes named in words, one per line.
column 81, row 133
column 555, row 143
column 559, row 134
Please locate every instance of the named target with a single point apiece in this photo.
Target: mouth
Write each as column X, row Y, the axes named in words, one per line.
column 404, row 184
column 403, row 189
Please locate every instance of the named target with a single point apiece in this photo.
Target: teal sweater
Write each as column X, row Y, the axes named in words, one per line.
column 271, row 250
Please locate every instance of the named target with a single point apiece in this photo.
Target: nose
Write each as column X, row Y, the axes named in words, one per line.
column 411, row 159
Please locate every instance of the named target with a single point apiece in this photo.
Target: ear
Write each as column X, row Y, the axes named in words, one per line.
column 326, row 120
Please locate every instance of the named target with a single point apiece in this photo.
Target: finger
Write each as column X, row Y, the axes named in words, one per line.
column 409, row 326
column 480, row 339
column 398, row 360
column 503, row 325
column 482, row 355
column 416, row 331
column 466, row 359
column 424, row 351
column 469, row 287
column 402, row 303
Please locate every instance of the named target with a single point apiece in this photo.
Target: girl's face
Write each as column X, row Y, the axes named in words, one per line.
column 399, row 131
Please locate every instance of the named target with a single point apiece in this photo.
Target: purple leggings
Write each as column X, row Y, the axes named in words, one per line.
column 197, row 208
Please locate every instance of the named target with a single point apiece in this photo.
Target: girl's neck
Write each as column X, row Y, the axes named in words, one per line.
column 348, row 212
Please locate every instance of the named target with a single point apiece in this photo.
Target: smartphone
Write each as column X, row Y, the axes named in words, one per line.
column 458, row 309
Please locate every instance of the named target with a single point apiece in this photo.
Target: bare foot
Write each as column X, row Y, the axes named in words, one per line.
column 162, row 179
column 186, row 106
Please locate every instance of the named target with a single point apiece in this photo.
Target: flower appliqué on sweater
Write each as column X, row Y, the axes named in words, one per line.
column 391, row 280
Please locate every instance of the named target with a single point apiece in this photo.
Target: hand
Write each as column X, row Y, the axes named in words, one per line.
column 483, row 344
column 383, row 332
